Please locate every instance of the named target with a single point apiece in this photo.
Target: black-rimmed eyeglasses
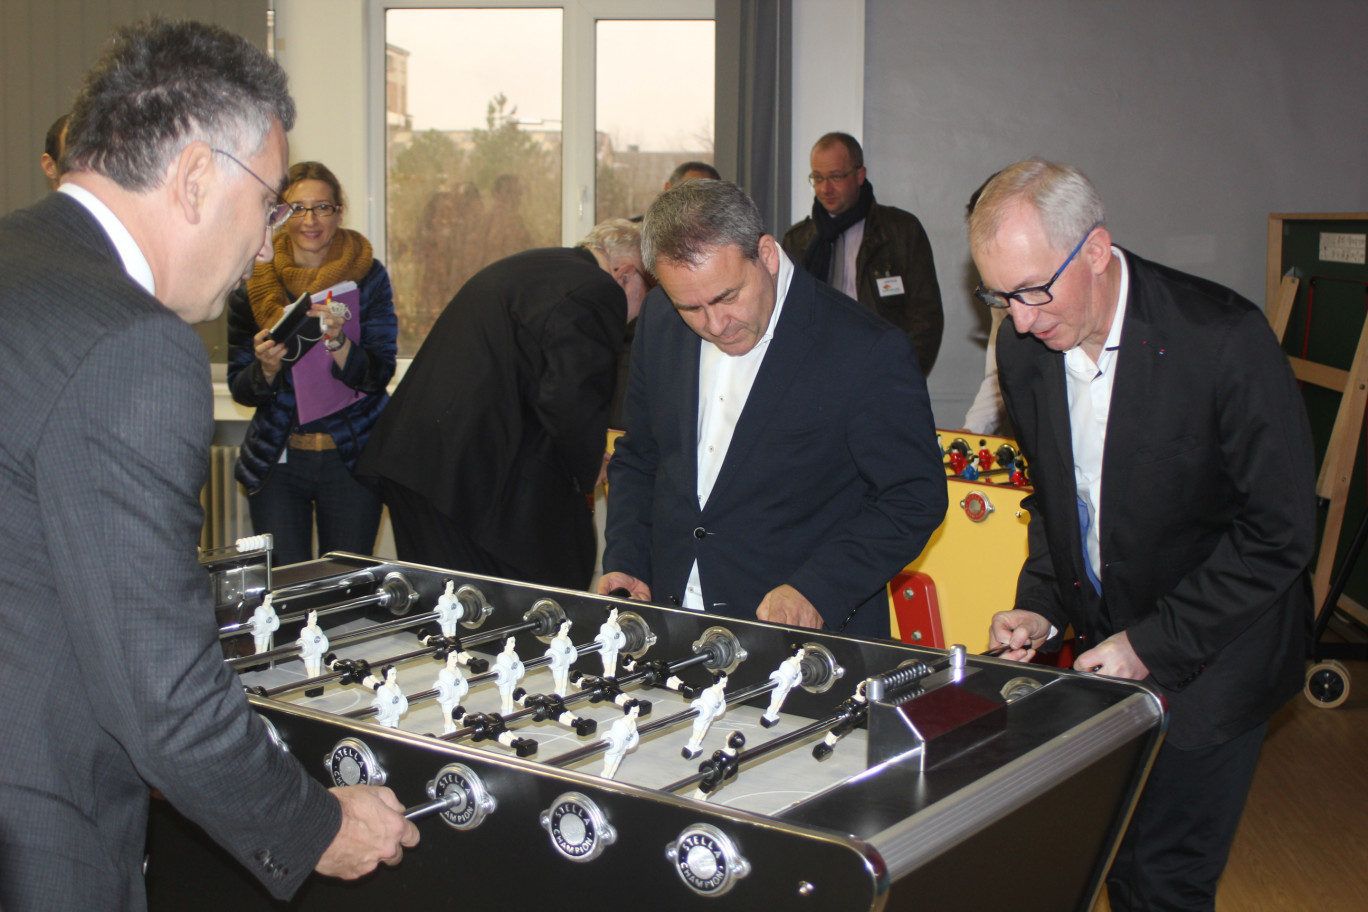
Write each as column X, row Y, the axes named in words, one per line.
column 1036, row 295
column 321, row 210
column 818, row 179
column 277, row 212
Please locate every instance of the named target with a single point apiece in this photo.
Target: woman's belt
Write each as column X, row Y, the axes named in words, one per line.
column 315, row 442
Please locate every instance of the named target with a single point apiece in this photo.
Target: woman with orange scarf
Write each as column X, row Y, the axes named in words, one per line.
column 317, row 396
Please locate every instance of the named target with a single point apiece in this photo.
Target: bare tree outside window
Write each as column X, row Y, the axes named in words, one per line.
column 474, row 136
column 469, row 181
column 654, row 104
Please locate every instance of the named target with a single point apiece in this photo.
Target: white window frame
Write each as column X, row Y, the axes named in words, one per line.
column 578, row 165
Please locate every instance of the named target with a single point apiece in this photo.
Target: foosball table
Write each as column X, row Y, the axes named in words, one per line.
column 968, row 569
column 571, row 751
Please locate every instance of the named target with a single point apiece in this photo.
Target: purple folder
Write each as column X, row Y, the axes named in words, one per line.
column 317, row 391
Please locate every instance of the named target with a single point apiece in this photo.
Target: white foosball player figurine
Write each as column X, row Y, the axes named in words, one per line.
column 452, row 688
column 312, row 645
column 449, row 610
column 785, row 678
column 264, row 624
column 562, row 654
column 611, row 639
column 621, row 738
column 508, row 671
column 711, row 704
column 390, row 703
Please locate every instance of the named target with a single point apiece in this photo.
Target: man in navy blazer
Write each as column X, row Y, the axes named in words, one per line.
column 1173, row 517
column 779, row 459
column 113, row 677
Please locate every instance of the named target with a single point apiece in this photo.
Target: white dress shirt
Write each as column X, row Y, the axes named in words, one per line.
column 134, row 263
column 1090, row 388
column 724, row 384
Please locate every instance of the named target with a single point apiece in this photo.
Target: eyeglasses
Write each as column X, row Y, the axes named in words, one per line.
column 818, row 179
column 1036, row 295
column 277, row 212
column 322, row 210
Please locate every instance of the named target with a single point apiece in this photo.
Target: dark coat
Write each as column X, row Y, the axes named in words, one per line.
column 832, row 481
column 894, row 244
column 1208, row 503
column 369, row 368
column 109, row 661
column 501, row 420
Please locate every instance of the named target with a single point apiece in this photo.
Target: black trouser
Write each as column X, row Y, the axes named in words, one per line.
column 309, row 485
column 1178, row 840
column 424, row 534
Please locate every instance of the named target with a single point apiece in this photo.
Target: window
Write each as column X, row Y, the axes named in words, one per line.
column 473, row 148
column 650, row 118
column 491, row 141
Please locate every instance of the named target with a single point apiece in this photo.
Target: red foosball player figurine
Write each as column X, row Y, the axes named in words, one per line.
column 985, row 458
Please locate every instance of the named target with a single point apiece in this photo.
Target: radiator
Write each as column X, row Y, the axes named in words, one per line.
column 226, row 518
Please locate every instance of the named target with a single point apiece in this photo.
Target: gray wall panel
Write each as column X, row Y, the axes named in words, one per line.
column 1194, row 119
column 47, row 45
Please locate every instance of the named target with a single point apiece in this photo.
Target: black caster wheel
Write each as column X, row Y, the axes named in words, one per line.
column 1327, row 684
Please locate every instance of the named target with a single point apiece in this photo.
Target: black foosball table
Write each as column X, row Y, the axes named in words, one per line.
column 570, row 751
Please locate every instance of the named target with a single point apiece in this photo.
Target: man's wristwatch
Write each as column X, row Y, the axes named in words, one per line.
column 333, row 345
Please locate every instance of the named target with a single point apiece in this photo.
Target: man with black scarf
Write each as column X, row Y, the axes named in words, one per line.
column 876, row 254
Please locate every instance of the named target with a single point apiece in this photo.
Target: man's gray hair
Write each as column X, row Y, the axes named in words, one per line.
column 165, row 84
column 616, row 237
column 1063, row 197
column 686, row 223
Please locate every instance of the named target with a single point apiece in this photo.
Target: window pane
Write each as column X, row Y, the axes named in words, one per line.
column 654, row 104
column 473, row 116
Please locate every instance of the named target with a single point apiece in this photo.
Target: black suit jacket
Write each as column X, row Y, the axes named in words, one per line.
column 832, row 481
column 1208, row 504
column 501, row 420
column 112, row 676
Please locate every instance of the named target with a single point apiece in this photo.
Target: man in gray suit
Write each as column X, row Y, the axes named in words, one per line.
column 109, row 656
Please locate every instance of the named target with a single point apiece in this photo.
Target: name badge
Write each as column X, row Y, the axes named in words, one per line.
column 890, row 285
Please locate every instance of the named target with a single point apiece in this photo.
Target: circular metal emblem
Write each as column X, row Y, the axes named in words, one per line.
column 578, row 829
column 351, row 762
column 976, row 506
column 474, row 803
column 707, row 860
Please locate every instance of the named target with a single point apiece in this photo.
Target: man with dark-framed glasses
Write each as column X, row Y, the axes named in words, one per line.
column 877, row 254
column 1173, row 518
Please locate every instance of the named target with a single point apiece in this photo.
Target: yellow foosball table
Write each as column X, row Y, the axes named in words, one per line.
column 969, row 568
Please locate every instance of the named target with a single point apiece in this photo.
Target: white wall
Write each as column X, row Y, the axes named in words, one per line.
column 828, row 84
column 321, row 44
column 1194, row 119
